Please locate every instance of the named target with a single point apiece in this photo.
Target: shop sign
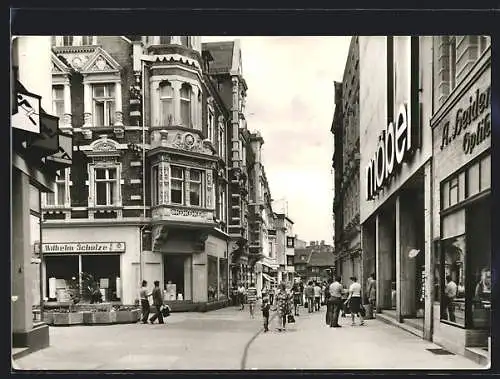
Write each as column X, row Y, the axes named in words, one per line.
column 26, row 112
column 63, row 156
column 83, row 247
column 47, row 142
column 475, row 115
column 394, row 146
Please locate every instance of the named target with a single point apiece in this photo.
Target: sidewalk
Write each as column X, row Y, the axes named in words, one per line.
column 228, row 338
column 310, row 344
column 212, row 340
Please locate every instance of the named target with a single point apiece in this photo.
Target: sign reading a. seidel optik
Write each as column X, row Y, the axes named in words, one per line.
column 393, row 148
column 474, row 120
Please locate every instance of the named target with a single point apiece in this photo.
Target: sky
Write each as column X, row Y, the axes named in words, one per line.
column 290, row 100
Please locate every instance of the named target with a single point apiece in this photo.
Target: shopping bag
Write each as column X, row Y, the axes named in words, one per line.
column 290, row 319
column 165, row 310
column 362, row 311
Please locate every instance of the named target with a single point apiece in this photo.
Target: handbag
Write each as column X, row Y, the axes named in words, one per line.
column 290, row 319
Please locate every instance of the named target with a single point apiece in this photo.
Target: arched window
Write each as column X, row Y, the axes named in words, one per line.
column 165, row 40
column 186, row 41
column 186, row 93
column 166, row 103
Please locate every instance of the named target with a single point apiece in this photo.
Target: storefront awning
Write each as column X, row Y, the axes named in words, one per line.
column 268, row 277
column 270, row 265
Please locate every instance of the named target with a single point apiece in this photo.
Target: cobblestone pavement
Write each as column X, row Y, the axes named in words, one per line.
column 230, row 339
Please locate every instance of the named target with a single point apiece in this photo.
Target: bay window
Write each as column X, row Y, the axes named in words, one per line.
column 185, row 93
column 195, row 188
column 58, row 100
column 104, row 104
column 106, row 186
column 166, row 103
column 176, row 185
column 155, row 185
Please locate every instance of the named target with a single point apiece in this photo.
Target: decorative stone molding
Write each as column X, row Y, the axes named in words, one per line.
column 119, row 132
column 181, row 212
column 119, row 118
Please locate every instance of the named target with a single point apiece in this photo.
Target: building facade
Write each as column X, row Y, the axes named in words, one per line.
column 285, row 248
column 146, row 196
column 395, row 175
column 461, row 227
column 225, row 66
column 315, row 262
column 39, row 150
column 262, row 243
column 346, row 168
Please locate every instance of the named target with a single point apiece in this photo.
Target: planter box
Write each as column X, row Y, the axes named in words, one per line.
column 48, row 318
column 123, row 317
column 90, row 318
column 70, row 318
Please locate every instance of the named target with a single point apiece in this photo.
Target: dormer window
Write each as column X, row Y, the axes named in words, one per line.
column 67, row 41
column 185, row 97
column 87, row 40
column 185, row 41
column 165, row 40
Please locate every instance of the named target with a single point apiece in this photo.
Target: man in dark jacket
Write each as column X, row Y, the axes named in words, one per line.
column 157, row 302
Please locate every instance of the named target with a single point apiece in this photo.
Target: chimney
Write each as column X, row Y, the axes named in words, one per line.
column 322, row 242
column 312, row 243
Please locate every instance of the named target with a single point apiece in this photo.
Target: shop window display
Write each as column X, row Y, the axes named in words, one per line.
column 453, row 280
column 223, row 281
column 212, row 278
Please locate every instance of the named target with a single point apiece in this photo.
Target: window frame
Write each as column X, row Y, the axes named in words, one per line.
column 155, row 185
column 108, row 181
column 68, row 41
column 58, row 181
column 92, row 40
column 173, row 179
column 186, row 101
column 199, row 182
column 106, row 100
column 164, row 99
column 57, row 101
column 452, row 62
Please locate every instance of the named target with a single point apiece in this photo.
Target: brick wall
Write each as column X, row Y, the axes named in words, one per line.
column 121, row 51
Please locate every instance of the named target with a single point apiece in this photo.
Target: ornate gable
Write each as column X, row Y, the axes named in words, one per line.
column 101, row 61
column 58, row 67
column 103, row 147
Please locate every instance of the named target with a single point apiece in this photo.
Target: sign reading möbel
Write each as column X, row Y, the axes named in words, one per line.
column 84, row 247
column 394, row 146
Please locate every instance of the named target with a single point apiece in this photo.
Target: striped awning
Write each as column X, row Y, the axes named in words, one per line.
column 268, row 277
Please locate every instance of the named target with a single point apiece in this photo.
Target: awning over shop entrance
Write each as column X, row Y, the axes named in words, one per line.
column 268, row 277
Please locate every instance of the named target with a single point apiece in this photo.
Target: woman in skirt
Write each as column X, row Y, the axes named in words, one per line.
column 354, row 300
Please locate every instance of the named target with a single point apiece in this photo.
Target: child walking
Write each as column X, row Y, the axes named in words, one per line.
column 265, row 307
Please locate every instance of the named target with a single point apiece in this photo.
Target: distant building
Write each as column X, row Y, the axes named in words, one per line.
column 285, row 245
column 314, row 262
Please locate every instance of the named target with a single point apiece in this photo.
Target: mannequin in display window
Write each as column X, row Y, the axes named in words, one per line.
column 483, row 288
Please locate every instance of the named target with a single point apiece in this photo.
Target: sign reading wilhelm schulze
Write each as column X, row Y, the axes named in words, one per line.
column 393, row 147
column 83, row 247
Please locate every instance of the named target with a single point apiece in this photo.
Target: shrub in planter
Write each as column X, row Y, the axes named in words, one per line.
column 68, row 318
